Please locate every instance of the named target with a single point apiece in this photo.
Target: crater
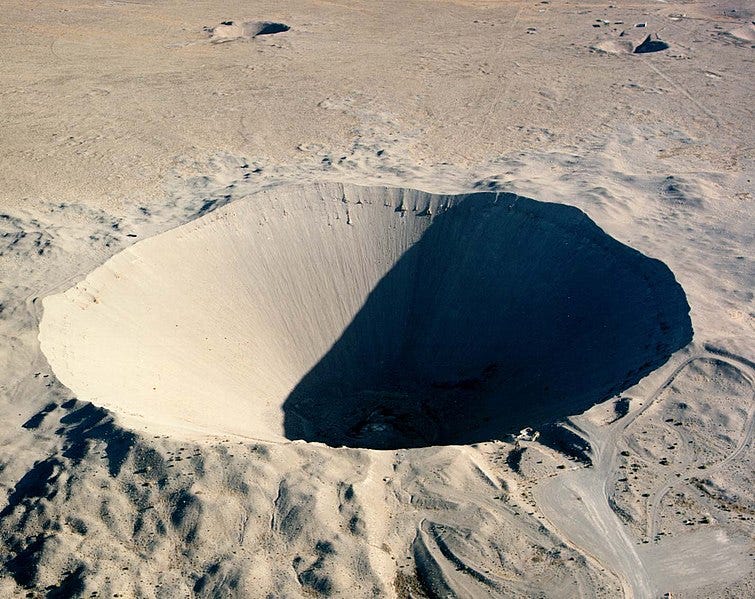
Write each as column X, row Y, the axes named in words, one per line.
column 367, row 317
column 228, row 31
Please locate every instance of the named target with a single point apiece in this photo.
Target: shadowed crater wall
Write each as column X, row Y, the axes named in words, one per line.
column 365, row 316
column 508, row 312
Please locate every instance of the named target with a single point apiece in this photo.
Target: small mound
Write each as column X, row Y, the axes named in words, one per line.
column 229, row 31
column 368, row 317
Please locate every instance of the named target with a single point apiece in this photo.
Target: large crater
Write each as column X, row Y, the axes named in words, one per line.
column 368, row 317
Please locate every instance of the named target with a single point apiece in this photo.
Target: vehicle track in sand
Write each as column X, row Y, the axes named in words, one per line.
column 576, row 502
column 600, row 535
column 673, row 481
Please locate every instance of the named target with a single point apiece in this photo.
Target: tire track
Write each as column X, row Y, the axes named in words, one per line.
column 744, row 442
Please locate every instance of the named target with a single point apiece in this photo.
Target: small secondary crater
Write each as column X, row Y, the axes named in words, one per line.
column 228, row 31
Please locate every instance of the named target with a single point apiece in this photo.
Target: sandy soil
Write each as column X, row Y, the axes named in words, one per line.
column 124, row 120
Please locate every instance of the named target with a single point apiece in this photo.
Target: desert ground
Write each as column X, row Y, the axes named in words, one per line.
column 282, row 282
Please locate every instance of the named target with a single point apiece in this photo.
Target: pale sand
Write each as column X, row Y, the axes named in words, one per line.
column 123, row 120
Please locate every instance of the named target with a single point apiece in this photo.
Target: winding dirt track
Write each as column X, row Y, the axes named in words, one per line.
column 577, row 507
column 672, row 481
